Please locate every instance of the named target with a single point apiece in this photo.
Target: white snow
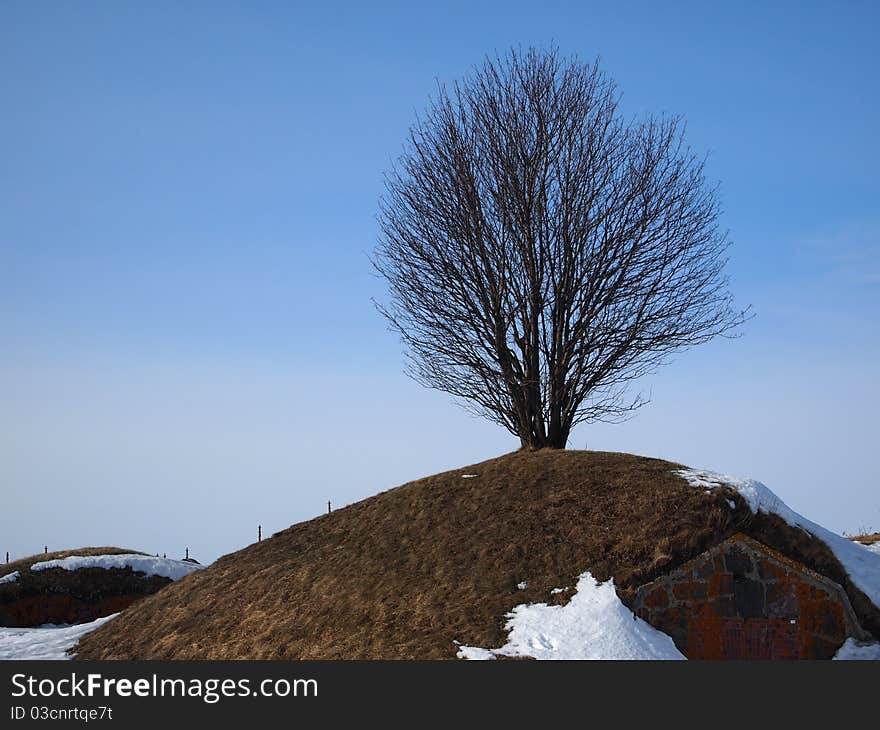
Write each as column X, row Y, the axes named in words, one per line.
column 44, row 642
column 475, row 653
column 10, row 578
column 853, row 649
column 862, row 565
column 593, row 625
column 522, row 586
column 875, row 548
column 469, row 476
column 173, row 569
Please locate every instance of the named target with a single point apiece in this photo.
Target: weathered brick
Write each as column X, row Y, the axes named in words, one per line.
column 721, row 584
column 748, row 595
column 738, row 561
column 781, row 599
column 657, row 598
column 741, row 600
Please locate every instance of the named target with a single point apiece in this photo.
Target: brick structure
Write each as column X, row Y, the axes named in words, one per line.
column 743, row 600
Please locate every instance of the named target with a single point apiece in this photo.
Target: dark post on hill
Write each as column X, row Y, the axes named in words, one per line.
column 542, row 252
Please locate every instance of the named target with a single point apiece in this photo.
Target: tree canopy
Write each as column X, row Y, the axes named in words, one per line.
column 542, row 252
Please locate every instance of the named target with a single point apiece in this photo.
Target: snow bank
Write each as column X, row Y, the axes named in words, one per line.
column 593, row 625
column 173, row 569
column 11, row 578
column 44, row 642
column 853, row 649
column 862, row 565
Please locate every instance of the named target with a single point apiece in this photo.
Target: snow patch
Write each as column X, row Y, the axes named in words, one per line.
column 593, row 625
column 44, row 642
column 469, row 476
column 522, row 586
column 173, row 569
column 862, row 565
column 473, row 652
column 853, row 649
column 11, row 577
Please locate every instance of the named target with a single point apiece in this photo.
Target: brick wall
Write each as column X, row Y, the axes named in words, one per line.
column 743, row 600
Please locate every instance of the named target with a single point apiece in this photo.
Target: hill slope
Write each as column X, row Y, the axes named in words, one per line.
column 76, row 586
column 409, row 571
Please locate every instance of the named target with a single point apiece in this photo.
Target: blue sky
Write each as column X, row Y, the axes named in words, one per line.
column 187, row 203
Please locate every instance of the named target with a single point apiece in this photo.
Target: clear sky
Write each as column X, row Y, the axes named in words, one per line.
column 188, row 195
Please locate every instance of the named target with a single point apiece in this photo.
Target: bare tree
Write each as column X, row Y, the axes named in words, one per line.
column 541, row 252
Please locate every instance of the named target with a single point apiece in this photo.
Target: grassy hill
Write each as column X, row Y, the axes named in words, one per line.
column 409, row 571
column 35, row 597
column 870, row 539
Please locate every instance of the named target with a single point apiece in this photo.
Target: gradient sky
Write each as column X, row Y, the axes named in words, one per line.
column 188, row 195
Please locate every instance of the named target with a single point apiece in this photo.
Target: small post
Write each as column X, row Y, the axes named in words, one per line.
column 187, row 554
column 164, row 555
column 46, row 549
column 259, row 533
column 7, row 556
column 329, row 507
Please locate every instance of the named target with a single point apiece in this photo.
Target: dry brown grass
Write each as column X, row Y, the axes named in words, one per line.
column 69, row 596
column 867, row 539
column 405, row 573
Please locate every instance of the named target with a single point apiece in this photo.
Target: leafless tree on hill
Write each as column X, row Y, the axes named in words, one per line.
column 541, row 252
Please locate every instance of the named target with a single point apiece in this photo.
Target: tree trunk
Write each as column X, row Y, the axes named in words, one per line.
column 531, row 440
column 557, row 440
